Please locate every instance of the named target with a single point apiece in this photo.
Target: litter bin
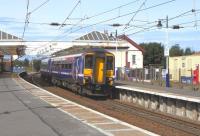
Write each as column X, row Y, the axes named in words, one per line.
column 167, row 80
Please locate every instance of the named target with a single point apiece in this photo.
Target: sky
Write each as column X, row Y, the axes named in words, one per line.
column 137, row 19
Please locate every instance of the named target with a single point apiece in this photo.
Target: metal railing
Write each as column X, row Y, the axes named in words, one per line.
column 179, row 78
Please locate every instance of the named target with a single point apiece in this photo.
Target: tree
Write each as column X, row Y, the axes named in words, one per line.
column 154, row 54
column 176, row 51
column 188, row 51
column 36, row 64
column 26, row 62
column 18, row 63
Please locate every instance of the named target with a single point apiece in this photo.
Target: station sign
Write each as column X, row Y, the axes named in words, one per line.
column 166, row 51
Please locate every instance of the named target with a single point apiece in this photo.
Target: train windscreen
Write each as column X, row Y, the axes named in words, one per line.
column 89, row 61
column 109, row 65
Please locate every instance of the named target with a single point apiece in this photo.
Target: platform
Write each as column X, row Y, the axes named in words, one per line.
column 179, row 102
column 182, row 94
column 29, row 110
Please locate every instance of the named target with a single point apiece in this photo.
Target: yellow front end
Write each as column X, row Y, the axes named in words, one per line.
column 109, row 76
column 99, row 75
column 110, row 69
column 87, row 75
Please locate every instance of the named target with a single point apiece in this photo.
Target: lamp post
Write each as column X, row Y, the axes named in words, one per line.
column 116, row 50
column 167, row 54
column 116, row 35
column 116, row 25
column 166, row 47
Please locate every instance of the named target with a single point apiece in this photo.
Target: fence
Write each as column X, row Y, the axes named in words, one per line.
column 179, row 78
column 144, row 75
column 18, row 69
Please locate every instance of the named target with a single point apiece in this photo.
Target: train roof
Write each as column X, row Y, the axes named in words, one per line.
column 62, row 58
column 79, row 50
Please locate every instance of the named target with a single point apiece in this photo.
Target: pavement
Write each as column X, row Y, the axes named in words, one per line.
column 23, row 114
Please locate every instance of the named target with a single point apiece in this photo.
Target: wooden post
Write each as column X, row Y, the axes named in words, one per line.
column 160, row 76
column 11, row 64
column 151, row 75
column 136, row 73
column 1, row 63
column 180, row 82
column 143, row 75
column 192, row 79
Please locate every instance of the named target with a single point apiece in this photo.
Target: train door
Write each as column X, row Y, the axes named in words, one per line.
column 99, row 70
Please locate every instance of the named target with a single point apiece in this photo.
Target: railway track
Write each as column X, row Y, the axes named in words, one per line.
column 185, row 126
column 153, row 121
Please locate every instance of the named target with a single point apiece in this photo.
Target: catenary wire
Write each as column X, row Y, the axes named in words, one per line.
column 114, row 18
column 70, row 14
column 135, row 14
column 37, row 8
column 26, row 19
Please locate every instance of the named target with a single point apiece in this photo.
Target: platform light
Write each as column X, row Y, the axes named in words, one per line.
column 159, row 25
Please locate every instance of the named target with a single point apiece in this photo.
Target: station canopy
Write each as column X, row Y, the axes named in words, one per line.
column 11, row 45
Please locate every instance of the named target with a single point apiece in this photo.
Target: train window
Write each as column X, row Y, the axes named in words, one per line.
column 109, row 65
column 62, row 66
column 70, row 66
column 89, row 61
column 67, row 66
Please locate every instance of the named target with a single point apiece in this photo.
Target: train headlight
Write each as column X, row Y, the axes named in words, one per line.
column 83, row 81
column 111, row 82
column 110, row 79
column 86, row 79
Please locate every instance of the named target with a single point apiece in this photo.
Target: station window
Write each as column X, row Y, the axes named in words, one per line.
column 183, row 65
column 133, row 59
column 89, row 61
column 109, row 65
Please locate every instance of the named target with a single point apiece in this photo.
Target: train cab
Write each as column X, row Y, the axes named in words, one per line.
column 98, row 69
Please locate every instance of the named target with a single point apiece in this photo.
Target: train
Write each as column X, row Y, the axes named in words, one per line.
column 89, row 72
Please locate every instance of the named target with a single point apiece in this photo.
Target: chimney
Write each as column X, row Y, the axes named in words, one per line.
column 106, row 32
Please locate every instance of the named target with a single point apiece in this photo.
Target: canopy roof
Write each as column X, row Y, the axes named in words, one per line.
column 11, row 45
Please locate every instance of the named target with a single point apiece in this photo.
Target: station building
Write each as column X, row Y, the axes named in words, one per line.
column 127, row 53
column 183, row 66
column 10, row 46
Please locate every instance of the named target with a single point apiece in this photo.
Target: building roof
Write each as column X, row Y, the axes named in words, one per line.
column 126, row 38
column 82, row 49
column 7, row 36
column 10, row 44
column 96, row 36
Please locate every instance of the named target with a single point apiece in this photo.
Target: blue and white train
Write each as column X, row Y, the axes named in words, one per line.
column 88, row 72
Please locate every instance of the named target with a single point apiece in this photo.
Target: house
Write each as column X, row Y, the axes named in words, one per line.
column 134, row 54
column 127, row 52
